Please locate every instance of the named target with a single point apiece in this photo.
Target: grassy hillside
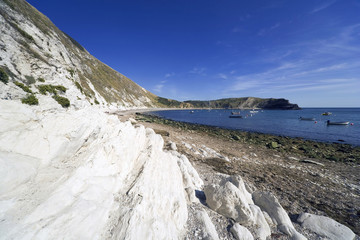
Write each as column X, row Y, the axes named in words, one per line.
column 85, row 69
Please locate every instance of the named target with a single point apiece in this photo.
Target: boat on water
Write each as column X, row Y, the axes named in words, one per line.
column 253, row 111
column 235, row 113
column 191, row 111
column 326, row 113
column 235, row 116
column 307, row 119
column 336, row 123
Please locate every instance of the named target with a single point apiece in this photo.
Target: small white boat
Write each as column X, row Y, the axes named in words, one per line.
column 191, row 111
column 253, row 111
column 235, row 113
column 336, row 123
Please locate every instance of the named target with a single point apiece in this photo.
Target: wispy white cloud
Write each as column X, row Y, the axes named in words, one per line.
column 297, row 76
column 323, row 6
column 196, row 70
column 319, row 85
column 158, row 88
column 326, row 69
column 169, row 75
column 222, row 75
column 245, row 84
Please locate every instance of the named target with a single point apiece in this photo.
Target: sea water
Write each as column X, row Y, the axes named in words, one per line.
column 280, row 122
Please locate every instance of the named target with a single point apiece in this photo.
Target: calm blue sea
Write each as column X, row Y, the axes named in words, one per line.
column 280, row 122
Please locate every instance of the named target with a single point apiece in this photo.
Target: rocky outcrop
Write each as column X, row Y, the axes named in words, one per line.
column 241, row 233
column 84, row 174
column 230, row 202
column 280, row 103
column 268, row 203
column 245, row 103
column 208, row 228
column 237, row 203
column 325, row 227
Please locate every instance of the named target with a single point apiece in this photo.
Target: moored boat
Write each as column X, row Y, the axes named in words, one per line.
column 336, row 123
column 307, row 119
column 235, row 113
column 235, row 116
column 326, row 113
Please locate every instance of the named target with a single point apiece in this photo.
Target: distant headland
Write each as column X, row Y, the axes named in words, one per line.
column 233, row 103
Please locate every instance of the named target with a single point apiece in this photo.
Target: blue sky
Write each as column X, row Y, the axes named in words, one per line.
column 307, row 51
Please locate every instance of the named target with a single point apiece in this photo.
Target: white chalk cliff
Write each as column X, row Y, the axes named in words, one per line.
column 80, row 173
column 84, row 174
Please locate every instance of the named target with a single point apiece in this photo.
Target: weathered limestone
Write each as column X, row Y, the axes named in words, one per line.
column 262, row 229
column 84, row 174
column 209, row 231
column 172, row 146
column 241, row 233
column 191, row 179
column 325, row 227
column 239, row 183
column 230, row 202
column 268, row 202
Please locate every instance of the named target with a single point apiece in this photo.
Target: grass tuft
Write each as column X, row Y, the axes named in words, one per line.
column 47, row 88
column 30, row 100
column 79, row 87
column 63, row 101
column 23, row 87
column 3, row 76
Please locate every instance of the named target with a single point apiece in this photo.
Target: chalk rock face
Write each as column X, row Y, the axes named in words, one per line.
column 229, row 201
column 262, row 229
column 209, row 231
column 325, row 227
column 241, row 233
column 172, row 146
column 239, row 183
column 191, row 179
column 269, row 203
column 86, row 175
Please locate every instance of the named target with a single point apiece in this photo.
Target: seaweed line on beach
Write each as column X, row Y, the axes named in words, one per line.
column 338, row 152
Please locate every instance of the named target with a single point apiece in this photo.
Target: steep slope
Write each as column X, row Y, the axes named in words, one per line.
column 33, row 48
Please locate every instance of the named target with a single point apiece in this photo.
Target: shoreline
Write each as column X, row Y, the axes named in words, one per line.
column 327, row 187
column 333, row 151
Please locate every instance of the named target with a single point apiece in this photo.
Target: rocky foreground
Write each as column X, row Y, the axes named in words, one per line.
column 84, row 174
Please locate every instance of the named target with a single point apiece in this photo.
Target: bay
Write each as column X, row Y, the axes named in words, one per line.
column 279, row 122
